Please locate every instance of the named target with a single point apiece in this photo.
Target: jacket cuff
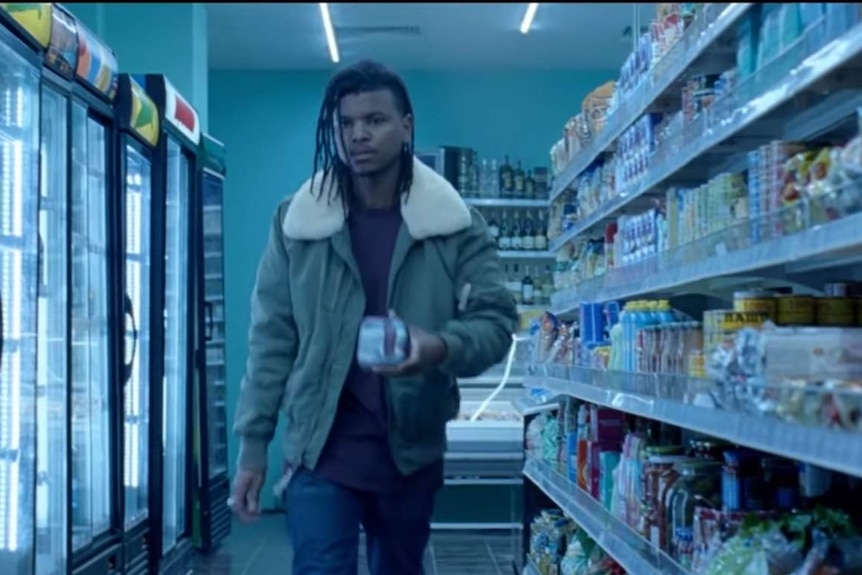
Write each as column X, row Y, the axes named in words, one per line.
column 454, row 352
column 253, row 454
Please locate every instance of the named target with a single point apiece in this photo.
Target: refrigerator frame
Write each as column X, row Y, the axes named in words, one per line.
column 211, row 502
column 24, row 45
column 137, row 559
column 105, row 554
column 177, row 559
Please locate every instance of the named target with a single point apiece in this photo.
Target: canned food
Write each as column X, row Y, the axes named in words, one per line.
column 795, row 310
column 754, row 301
column 729, row 320
column 835, row 311
column 382, row 341
column 720, row 325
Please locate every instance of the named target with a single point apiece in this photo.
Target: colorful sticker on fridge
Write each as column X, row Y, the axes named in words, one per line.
column 97, row 65
column 180, row 114
column 144, row 117
column 34, row 18
column 62, row 53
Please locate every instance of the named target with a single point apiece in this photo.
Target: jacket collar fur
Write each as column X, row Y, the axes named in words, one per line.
column 432, row 208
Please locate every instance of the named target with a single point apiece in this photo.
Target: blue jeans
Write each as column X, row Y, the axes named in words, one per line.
column 323, row 520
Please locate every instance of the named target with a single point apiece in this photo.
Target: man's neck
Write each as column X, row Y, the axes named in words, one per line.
column 378, row 190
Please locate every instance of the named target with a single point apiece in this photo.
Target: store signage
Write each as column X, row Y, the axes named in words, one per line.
column 144, row 116
column 34, row 18
column 97, row 65
column 62, row 53
column 181, row 114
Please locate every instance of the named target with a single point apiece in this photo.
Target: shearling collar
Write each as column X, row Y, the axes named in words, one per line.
column 433, row 208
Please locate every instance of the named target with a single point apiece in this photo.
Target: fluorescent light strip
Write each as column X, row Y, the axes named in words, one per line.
column 330, row 32
column 527, row 22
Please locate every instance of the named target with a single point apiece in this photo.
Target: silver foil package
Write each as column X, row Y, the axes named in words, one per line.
column 382, row 341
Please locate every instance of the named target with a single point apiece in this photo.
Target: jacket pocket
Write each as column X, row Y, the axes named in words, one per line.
column 421, row 407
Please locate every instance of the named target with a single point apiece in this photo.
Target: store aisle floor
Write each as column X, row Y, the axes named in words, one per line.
column 261, row 549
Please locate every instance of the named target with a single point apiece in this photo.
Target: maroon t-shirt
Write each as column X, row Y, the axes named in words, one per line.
column 357, row 453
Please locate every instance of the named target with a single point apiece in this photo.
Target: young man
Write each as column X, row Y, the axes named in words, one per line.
column 374, row 232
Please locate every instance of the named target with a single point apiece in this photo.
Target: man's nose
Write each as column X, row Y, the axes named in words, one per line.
column 359, row 132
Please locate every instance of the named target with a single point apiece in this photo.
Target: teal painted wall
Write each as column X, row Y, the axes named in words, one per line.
column 267, row 121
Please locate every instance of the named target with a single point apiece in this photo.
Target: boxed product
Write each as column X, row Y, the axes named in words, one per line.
column 812, row 353
column 607, row 425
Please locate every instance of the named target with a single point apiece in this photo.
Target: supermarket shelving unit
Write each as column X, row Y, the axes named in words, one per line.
column 811, row 90
column 485, row 458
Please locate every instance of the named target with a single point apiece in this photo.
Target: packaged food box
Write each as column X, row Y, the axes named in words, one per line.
column 813, row 354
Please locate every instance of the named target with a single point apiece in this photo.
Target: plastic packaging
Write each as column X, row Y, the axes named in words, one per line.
column 382, row 341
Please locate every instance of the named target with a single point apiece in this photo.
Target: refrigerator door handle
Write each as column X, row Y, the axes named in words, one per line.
column 129, row 311
column 208, row 333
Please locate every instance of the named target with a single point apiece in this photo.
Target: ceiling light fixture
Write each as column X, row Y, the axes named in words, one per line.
column 329, row 31
column 527, row 22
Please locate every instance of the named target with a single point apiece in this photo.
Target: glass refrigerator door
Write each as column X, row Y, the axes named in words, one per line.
column 19, row 188
column 91, row 465
column 176, row 382
column 137, row 389
column 213, row 189
column 52, row 338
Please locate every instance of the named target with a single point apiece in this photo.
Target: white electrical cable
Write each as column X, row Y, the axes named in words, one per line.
column 509, row 360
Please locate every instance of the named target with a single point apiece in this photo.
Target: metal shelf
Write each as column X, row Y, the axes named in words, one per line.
column 755, row 97
column 630, row 550
column 527, row 405
column 716, row 20
column 526, row 255
column 506, row 203
column 719, row 255
column 689, row 403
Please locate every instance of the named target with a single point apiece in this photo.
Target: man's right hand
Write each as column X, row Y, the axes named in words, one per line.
column 246, row 493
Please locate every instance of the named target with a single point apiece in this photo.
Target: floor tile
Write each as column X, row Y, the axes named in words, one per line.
column 262, row 548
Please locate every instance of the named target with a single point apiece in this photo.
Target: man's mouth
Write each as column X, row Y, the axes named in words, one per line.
column 363, row 155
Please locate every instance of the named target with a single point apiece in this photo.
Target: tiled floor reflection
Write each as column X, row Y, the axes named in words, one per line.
column 262, row 549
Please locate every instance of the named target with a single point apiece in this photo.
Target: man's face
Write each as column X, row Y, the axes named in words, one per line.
column 373, row 131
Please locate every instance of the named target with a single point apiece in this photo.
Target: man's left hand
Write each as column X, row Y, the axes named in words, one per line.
column 426, row 352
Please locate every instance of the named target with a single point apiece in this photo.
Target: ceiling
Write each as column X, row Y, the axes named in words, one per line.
column 444, row 36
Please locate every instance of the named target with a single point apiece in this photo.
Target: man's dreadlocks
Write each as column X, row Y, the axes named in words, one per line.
column 363, row 76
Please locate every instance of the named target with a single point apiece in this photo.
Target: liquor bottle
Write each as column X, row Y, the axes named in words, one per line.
column 547, row 285
column 493, row 179
column 484, row 183
column 504, row 240
column 463, row 176
column 527, row 288
column 528, row 235
column 473, row 174
column 530, row 187
column 506, row 179
column 516, row 241
column 515, row 285
column 493, row 226
column 519, row 181
column 540, row 239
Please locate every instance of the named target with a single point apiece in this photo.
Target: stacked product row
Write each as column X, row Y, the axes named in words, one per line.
column 787, row 187
column 487, row 178
column 712, row 507
column 774, row 352
column 665, row 30
column 558, row 546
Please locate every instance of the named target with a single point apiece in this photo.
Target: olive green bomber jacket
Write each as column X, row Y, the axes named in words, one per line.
column 308, row 303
